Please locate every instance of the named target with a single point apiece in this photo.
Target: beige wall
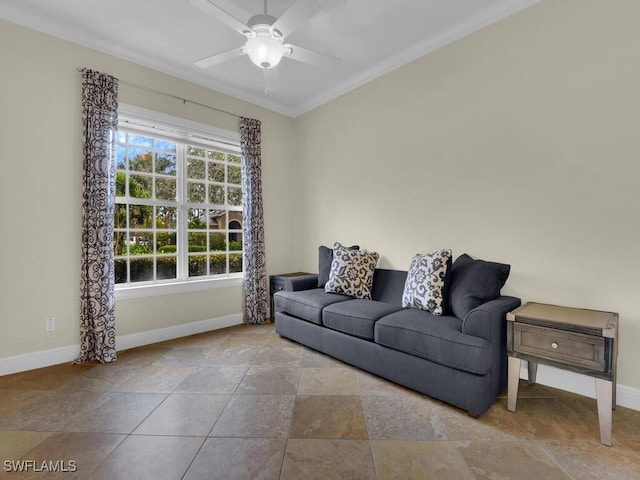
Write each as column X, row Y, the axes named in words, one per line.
column 40, row 189
column 518, row 144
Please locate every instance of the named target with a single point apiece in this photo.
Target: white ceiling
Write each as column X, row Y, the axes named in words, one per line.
column 371, row 37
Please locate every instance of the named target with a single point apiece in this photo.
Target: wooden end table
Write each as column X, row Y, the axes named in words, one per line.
column 578, row 340
column 276, row 283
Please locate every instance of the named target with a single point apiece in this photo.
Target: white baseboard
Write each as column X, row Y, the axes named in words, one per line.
column 176, row 331
column 42, row 358
column 55, row 356
column 626, row 396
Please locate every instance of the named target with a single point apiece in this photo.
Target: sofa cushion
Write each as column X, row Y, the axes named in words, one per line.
column 474, row 282
column 325, row 257
column 425, row 282
column 388, row 286
column 351, row 272
column 356, row 317
column 436, row 338
column 306, row 304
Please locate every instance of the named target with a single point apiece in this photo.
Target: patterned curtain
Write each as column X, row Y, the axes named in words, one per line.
column 97, row 297
column 255, row 272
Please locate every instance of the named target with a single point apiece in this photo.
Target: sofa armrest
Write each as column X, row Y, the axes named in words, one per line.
column 488, row 320
column 301, row 282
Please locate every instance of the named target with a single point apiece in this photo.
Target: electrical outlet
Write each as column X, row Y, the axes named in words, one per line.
column 50, row 324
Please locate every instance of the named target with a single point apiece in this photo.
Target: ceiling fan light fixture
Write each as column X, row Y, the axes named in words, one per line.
column 265, row 35
column 264, row 50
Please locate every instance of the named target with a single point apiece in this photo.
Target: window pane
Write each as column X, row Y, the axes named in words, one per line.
column 120, row 243
column 122, row 137
column 165, row 145
column 235, row 196
column 217, row 219
column 140, row 216
column 233, row 158
column 197, row 265
column 217, row 242
column 215, row 155
column 216, row 172
column 217, row 264
column 140, row 159
column 197, row 218
column 235, row 263
column 166, row 267
column 120, row 220
column 120, row 267
column 235, row 175
column 165, row 189
column 195, row 168
column 140, row 140
column 121, row 183
column 196, row 192
column 165, row 164
column 197, row 242
column 166, row 217
column 141, row 269
column 234, row 221
column 166, row 243
column 216, row 194
column 141, row 243
column 235, row 241
column 121, row 157
column 140, row 186
column 196, row 151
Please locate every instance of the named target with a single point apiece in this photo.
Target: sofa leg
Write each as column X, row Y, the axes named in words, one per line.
column 473, row 414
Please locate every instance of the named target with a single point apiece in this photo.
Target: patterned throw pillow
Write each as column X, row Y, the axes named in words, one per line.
column 425, row 282
column 351, row 272
column 325, row 257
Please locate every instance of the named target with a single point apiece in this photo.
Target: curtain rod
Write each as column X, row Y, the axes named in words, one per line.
column 170, row 95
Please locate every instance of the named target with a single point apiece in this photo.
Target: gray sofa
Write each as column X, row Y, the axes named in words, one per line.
column 459, row 360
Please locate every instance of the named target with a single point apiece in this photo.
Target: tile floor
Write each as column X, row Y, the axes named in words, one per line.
column 242, row 403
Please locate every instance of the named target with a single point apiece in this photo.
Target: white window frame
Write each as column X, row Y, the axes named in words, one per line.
column 184, row 131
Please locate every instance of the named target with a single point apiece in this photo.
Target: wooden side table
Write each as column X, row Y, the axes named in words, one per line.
column 276, row 283
column 582, row 341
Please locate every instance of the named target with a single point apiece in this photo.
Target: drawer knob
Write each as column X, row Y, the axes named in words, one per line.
column 554, row 345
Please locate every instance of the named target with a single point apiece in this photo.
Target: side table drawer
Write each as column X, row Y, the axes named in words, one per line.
column 576, row 349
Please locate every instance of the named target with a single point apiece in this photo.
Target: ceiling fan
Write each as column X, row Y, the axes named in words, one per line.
column 265, row 36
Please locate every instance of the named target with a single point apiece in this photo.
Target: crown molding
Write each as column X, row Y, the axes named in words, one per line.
column 44, row 25
column 483, row 19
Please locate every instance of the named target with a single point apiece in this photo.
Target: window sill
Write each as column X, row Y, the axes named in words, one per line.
column 140, row 291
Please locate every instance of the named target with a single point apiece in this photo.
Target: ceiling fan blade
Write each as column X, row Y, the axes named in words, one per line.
column 304, row 55
column 221, row 15
column 271, row 80
column 211, row 60
column 298, row 13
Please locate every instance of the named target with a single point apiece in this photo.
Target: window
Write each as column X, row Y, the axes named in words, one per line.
column 178, row 205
